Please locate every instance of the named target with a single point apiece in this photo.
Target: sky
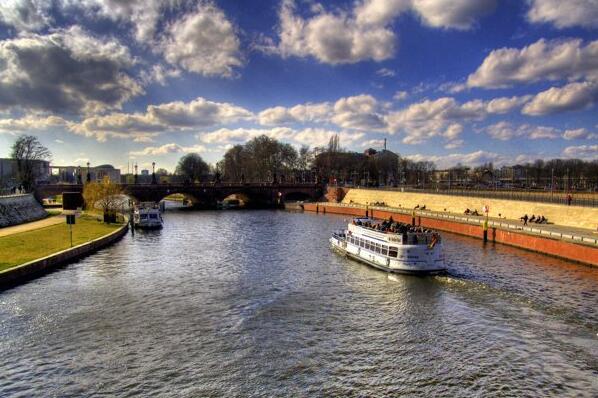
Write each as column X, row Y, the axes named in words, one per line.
column 450, row 81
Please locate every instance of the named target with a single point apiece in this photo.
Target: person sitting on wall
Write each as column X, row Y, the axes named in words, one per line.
column 423, row 207
column 467, row 211
column 416, row 207
column 475, row 212
column 532, row 218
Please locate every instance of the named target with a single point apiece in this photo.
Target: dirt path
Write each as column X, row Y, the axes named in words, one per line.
column 46, row 222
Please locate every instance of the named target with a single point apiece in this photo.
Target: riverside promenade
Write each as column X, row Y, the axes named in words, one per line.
column 571, row 243
column 34, row 248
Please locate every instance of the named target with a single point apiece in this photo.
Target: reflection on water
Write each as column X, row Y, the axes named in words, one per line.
column 255, row 304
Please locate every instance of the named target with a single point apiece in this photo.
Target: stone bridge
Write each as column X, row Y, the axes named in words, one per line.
column 204, row 195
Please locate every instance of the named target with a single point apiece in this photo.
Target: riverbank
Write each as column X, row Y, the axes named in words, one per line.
column 568, row 243
column 29, row 253
column 569, row 216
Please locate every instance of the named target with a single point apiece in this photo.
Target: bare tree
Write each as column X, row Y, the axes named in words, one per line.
column 26, row 151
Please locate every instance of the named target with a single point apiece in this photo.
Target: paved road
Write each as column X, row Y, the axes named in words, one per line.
column 46, row 222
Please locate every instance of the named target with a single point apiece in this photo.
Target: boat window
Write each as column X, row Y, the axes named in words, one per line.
column 154, row 216
column 143, row 216
column 392, row 252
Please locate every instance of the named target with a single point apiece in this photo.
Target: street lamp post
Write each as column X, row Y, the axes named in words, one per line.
column 153, row 172
column 88, row 174
column 135, row 176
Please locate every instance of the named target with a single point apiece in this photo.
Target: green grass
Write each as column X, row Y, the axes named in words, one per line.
column 27, row 246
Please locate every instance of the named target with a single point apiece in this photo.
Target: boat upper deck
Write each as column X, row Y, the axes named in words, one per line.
column 393, row 232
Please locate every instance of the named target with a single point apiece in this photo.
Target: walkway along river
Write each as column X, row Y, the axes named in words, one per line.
column 253, row 303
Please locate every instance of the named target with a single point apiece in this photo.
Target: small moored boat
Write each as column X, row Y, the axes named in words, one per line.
column 390, row 246
column 147, row 216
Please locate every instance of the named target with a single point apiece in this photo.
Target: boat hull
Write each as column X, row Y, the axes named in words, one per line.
column 429, row 266
column 148, row 226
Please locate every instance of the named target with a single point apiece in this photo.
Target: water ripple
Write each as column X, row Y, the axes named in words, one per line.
column 255, row 304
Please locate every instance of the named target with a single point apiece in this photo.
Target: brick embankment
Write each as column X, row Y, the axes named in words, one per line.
column 23, row 272
column 563, row 244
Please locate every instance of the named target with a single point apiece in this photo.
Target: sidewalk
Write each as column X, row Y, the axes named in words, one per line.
column 46, row 222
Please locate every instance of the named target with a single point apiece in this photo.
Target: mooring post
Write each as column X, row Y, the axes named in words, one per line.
column 485, row 228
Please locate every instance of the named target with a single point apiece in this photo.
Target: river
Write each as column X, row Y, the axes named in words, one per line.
column 253, row 303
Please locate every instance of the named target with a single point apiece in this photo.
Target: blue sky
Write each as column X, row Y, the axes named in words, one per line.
column 469, row 81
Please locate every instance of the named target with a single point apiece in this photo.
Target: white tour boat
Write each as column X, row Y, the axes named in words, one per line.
column 147, row 216
column 392, row 247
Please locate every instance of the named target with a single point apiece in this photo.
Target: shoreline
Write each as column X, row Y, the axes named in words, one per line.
column 32, row 269
column 580, row 249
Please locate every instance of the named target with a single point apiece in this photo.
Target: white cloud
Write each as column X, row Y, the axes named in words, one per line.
column 444, row 117
column 32, row 122
column 505, row 131
column 204, row 42
column 457, row 14
column 400, row 95
column 542, row 60
column 66, row 71
column 321, row 137
column 241, row 135
column 142, row 15
column 359, row 112
column 385, row 72
column 505, row 104
column 579, row 134
column 171, row 116
column 166, row 149
column 564, row 13
column 454, row 144
column 158, row 74
column 588, row 152
column 364, row 32
column 573, row 96
column 25, row 15
column 468, row 159
column 310, row 112
column 307, row 136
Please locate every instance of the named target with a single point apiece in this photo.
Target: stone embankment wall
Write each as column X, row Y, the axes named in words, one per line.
column 19, row 209
column 571, row 216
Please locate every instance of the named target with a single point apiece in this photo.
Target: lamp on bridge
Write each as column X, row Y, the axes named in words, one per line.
column 135, row 177
column 88, row 174
column 79, row 179
column 153, row 172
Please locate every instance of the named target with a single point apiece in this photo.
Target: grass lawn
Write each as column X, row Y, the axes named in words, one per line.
column 20, row 248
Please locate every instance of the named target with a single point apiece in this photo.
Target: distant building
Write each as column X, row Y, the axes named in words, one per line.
column 98, row 173
column 70, row 174
column 9, row 172
column 144, row 172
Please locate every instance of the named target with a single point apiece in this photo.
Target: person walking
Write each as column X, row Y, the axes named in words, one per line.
column 524, row 219
column 569, row 199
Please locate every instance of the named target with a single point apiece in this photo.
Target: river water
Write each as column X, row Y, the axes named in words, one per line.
column 253, row 303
